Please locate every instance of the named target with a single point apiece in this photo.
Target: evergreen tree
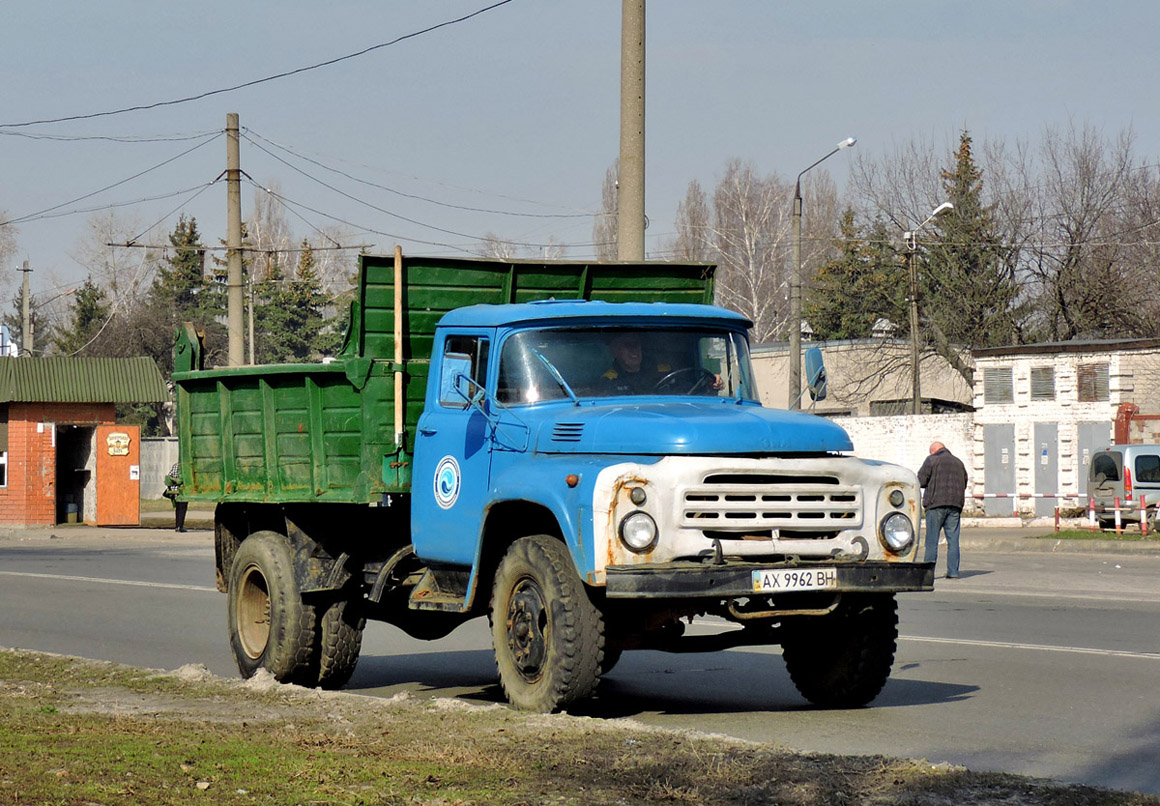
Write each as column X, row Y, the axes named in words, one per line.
column 290, row 324
column 181, row 292
column 968, row 287
column 864, row 283
column 43, row 333
column 90, row 314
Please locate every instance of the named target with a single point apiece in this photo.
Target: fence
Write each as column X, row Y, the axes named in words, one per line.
column 1093, row 521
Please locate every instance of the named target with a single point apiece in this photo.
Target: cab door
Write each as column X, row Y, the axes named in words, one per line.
column 452, row 452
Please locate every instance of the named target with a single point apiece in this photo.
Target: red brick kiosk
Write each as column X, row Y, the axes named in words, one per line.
column 63, row 457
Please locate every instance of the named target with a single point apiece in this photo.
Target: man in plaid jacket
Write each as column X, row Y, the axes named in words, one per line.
column 943, row 479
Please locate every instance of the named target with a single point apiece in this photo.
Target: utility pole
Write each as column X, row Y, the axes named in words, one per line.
column 25, row 315
column 915, row 374
column 630, row 187
column 237, row 353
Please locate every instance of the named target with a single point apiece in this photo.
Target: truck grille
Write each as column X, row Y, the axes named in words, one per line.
column 748, row 503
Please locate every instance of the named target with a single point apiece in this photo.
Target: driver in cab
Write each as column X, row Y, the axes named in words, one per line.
column 630, row 374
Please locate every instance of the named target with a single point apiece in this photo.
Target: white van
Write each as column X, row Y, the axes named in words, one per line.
column 1129, row 473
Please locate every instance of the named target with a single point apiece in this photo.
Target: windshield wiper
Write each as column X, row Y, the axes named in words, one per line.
column 556, row 376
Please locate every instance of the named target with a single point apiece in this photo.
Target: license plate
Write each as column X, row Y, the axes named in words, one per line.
column 794, row 579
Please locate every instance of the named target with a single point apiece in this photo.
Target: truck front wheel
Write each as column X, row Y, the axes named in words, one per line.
column 547, row 633
column 270, row 626
column 843, row 660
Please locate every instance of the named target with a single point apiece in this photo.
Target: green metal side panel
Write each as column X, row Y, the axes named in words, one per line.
column 326, row 432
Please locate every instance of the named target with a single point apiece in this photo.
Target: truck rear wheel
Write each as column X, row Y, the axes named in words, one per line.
column 270, row 626
column 547, row 633
column 843, row 660
column 340, row 632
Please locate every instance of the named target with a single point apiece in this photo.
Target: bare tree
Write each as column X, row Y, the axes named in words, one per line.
column 269, row 233
column 694, row 239
column 124, row 273
column 1088, row 218
column 497, row 247
column 751, row 233
column 8, row 248
column 605, row 229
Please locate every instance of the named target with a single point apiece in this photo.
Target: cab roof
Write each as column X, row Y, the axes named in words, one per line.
column 565, row 309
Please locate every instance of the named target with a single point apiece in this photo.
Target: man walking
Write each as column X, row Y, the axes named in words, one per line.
column 944, row 482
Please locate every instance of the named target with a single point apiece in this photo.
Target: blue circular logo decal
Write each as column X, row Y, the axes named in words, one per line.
column 447, row 480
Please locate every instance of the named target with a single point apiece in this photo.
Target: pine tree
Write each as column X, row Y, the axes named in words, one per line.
column 290, row 325
column 181, row 292
column 43, row 333
column 90, row 314
column 863, row 284
column 968, row 287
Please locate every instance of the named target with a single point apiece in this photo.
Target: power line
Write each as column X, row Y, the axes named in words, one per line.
column 343, row 193
column 158, row 138
column 181, row 206
column 255, row 82
column 399, row 192
column 113, row 205
column 45, row 212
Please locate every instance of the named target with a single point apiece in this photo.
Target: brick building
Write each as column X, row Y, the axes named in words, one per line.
column 62, row 455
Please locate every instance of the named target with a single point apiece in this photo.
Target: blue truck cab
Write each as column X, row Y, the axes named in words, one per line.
column 596, row 475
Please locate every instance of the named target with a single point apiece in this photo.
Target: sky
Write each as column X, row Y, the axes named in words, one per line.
column 506, row 122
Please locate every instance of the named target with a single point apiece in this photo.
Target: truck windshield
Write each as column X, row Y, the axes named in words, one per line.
column 608, row 362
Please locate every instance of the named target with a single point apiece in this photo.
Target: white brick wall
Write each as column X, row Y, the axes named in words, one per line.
column 905, row 440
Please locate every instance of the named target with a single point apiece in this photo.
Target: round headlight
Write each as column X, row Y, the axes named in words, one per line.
column 897, row 533
column 638, row 531
column 896, row 498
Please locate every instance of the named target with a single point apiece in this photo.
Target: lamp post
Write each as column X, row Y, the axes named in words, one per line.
column 911, row 239
column 795, row 284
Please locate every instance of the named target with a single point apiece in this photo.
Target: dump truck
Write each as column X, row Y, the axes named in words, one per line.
column 575, row 450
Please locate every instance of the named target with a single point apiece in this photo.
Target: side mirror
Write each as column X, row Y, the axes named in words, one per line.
column 816, row 374
column 455, row 382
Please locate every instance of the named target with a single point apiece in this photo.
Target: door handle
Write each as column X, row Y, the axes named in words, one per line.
column 427, row 431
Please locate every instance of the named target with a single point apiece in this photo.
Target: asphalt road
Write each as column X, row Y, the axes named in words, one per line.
column 1036, row 662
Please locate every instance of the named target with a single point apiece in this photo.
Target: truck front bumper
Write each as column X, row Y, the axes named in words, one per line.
column 687, row 580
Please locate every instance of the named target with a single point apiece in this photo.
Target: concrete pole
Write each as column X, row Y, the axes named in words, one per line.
column 630, row 192
column 25, row 315
column 234, row 325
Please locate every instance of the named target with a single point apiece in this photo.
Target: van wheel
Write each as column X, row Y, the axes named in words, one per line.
column 546, row 632
column 271, row 627
column 843, row 660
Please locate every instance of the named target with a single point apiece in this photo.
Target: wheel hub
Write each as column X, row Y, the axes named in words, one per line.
column 527, row 620
column 253, row 613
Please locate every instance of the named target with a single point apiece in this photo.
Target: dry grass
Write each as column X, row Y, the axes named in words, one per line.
column 78, row 732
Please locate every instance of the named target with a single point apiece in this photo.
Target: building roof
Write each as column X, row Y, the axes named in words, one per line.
column 81, row 380
column 1075, row 346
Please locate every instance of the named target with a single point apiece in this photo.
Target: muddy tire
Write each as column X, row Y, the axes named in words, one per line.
column 843, row 660
column 340, row 632
column 271, row 627
column 547, row 633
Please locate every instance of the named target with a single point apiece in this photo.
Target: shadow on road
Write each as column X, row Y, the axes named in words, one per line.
column 643, row 682
column 1135, row 769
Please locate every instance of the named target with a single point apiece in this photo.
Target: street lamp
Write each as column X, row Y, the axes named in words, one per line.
column 911, row 239
column 795, row 284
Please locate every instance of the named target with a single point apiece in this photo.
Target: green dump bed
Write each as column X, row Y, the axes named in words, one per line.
column 327, row 432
